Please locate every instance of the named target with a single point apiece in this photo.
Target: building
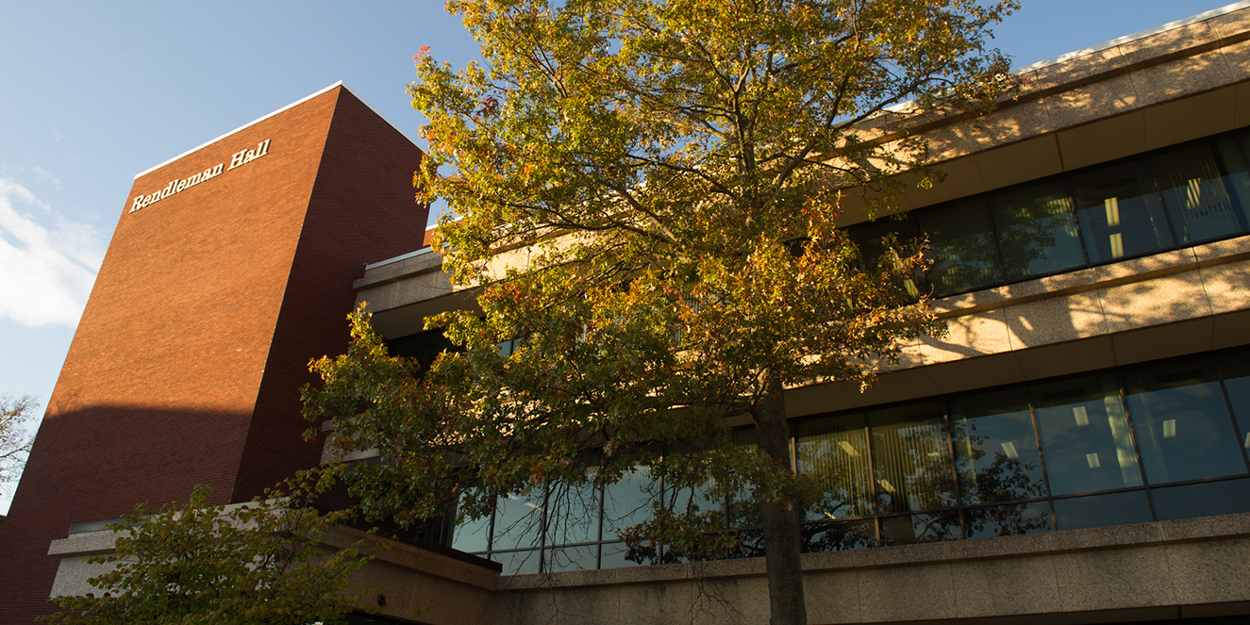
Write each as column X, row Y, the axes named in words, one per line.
column 231, row 267
column 1074, row 450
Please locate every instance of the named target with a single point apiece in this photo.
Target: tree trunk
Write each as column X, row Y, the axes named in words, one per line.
column 780, row 518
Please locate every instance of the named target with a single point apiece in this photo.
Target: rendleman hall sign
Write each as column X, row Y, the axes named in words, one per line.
column 239, row 159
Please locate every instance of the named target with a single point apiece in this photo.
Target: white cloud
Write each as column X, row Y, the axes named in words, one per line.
column 46, row 273
column 46, row 176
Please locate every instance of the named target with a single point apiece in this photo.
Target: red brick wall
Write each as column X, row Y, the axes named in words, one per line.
column 362, row 211
column 186, row 365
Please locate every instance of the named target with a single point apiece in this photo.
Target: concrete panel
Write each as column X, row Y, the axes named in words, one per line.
column 1181, row 77
column 949, row 142
column 1084, row 104
column 978, row 334
column 1230, row 24
column 1103, row 141
column 1050, row 284
column 1164, row 262
column 832, row 597
column 1158, row 301
column 72, row 576
column 656, row 604
column 527, row 607
column 1113, row 579
column 1207, row 252
column 1006, row 587
column 1167, row 42
column 900, row 386
column 1231, row 330
column 1010, row 124
column 962, row 179
column 907, row 593
column 1210, row 572
column 974, row 373
column 1164, row 341
column 1191, row 118
column 1055, row 320
column 1227, row 286
column 1040, row 363
column 1243, row 95
column 729, row 601
column 1020, row 162
column 1237, row 59
column 395, row 585
column 1079, row 68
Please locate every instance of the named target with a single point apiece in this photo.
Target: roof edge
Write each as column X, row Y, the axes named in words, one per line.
column 283, row 109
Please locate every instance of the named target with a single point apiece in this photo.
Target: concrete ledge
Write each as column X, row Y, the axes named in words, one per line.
column 1149, row 571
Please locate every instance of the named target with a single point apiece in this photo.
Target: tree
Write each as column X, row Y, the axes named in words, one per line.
column 14, row 441
column 648, row 193
column 256, row 563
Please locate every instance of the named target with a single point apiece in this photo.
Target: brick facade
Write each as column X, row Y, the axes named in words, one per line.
column 186, row 366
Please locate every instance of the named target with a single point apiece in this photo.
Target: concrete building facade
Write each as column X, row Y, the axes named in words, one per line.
column 1074, row 450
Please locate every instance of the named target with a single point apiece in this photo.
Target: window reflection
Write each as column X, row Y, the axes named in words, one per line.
column 1085, row 435
column 835, row 451
column 1182, row 422
column 1102, row 510
column 889, row 476
column 1008, row 520
column 472, row 536
column 1036, row 229
column 961, row 242
column 920, row 528
column 911, row 461
column 1194, row 192
column 518, row 521
column 1235, row 369
column 578, row 558
column 837, row 536
column 995, row 448
column 1202, row 499
column 1119, row 211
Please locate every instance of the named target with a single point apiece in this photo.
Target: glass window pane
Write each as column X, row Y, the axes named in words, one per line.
column 1102, row 510
column 1232, row 155
column 1085, row 435
column 920, row 528
column 628, row 502
column 1182, row 423
column 1204, row 499
column 580, row 558
column 1235, row 368
column 1194, row 193
column 750, row 544
column 995, row 447
column 472, row 536
column 1036, row 229
column 1119, row 211
column 617, row 555
column 518, row 521
column 815, row 537
column 835, row 451
column 574, row 514
column 911, row 458
column 961, row 242
column 517, row 562
column 1008, row 520
column 868, row 236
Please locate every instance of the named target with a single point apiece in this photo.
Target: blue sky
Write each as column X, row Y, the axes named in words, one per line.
column 92, row 93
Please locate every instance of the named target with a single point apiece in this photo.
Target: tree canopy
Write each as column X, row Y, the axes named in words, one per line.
column 15, row 442
column 647, row 197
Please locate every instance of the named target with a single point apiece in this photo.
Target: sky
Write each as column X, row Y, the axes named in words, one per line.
column 92, row 93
